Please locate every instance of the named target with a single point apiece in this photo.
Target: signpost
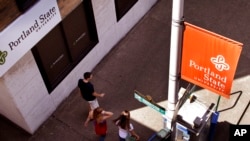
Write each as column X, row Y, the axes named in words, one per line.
column 143, row 99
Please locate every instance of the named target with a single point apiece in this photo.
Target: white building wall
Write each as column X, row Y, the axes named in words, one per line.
column 23, row 93
column 29, row 98
column 8, row 106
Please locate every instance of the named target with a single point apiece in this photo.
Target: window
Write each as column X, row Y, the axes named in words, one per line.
column 66, row 45
column 122, row 7
column 25, row 4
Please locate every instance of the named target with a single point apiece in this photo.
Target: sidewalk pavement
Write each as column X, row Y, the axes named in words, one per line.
column 140, row 62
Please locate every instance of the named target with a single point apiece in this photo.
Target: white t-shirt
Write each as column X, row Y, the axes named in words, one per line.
column 124, row 133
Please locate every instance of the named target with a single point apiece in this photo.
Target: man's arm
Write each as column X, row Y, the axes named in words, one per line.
column 98, row 94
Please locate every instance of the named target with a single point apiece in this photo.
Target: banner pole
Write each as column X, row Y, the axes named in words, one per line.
column 175, row 59
column 217, row 104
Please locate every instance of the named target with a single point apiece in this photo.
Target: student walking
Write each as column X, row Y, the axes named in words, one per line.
column 126, row 129
column 99, row 117
column 88, row 92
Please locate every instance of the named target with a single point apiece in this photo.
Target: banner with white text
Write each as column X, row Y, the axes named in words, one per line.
column 26, row 31
column 209, row 60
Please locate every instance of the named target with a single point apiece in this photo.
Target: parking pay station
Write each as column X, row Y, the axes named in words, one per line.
column 193, row 120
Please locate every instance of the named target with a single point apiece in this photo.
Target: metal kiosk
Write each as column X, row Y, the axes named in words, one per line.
column 193, row 120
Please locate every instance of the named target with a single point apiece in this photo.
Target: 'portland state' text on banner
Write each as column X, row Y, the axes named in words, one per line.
column 209, row 60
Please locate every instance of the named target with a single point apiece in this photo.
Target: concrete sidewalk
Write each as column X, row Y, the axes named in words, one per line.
column 140, row 62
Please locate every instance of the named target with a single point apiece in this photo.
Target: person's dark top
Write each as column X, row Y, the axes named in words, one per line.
column 87, row 90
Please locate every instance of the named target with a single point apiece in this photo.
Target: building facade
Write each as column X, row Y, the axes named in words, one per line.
column 49, row 44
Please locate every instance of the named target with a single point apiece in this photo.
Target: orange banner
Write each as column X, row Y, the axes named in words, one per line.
column 209, row 60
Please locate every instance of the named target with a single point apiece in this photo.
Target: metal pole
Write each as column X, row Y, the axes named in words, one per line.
column 175, row 59
column 217, row 104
